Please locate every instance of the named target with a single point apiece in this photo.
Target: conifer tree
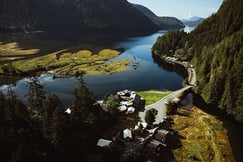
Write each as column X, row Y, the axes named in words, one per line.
column 83, row 104
column 11, row 100
column 2, row 103
column 36, row 94
column 60, row 127
column 50, row 104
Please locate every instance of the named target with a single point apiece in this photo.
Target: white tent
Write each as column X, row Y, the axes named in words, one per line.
column 122, row 108
column 144, row 125
column 176, row 100
column 127, row 133
column 123, row 102
column 68, row 111
column 103, row 142
column 131, row 110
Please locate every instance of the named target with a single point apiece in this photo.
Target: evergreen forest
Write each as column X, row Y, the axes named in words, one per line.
column 44, row 132
column 215, row 48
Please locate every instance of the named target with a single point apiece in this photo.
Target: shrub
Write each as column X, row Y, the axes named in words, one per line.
column 150, row 116
column 171, row 108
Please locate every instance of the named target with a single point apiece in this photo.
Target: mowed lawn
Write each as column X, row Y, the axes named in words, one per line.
column 153, row 96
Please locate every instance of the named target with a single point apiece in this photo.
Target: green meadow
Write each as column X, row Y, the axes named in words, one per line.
column 153, row 96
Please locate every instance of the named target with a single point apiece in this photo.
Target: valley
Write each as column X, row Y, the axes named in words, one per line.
column 120, row 81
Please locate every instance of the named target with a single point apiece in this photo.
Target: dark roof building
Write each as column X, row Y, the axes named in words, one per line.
column 139, row 102
column 163, row 136
column 154, row 145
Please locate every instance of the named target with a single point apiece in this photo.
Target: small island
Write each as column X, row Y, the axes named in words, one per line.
column 60, row 63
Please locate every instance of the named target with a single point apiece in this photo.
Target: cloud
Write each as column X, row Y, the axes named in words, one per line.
column 189, row 14
column 4, row 87
column 47, row 79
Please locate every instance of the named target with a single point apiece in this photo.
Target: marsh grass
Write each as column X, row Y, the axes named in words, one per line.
column 204, row 137
column 67, row 63
column 10, row 49
column 4, row 59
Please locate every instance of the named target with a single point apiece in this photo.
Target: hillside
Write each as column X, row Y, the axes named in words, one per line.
column 203, row 137
column 215, row 49
column 75, row 15
column 165, row 23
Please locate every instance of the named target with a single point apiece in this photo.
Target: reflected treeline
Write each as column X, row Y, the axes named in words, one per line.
column 9, row 80
column 171, row 67
column 49, row 42
column 40, row 39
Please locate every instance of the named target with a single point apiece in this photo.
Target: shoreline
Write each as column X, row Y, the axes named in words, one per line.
column 191, row 82
column 189, row 68
column 160, row 105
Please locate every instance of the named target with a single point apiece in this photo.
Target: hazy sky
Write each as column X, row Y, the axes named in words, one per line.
column 181, row 8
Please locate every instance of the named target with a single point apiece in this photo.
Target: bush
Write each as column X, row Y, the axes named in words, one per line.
column 171, row 108
column 111, row 103
column 150, row 116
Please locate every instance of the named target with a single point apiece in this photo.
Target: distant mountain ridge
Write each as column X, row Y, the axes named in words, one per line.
column 73, row 15
column 193, row 21
column 164, row 22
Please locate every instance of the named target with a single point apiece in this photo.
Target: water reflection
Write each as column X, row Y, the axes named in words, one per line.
column 188, row 29
column 148, row 75
column 171, row 67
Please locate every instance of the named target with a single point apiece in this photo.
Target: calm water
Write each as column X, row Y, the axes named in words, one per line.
column 188, row 29
column 148, row 75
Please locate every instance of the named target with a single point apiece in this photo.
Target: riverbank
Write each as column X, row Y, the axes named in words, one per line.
column 161, row 104
column 189, row 68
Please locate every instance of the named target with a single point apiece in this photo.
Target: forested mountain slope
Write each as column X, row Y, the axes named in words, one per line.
column 75, row 15
column 164, row 22
column 215, row 47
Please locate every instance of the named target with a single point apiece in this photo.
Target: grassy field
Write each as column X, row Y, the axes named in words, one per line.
column 60, row 62
column 153, row 96
column 202, row 136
